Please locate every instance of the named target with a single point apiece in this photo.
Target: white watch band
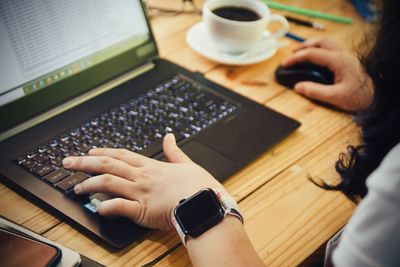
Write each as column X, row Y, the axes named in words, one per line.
column 228, row 204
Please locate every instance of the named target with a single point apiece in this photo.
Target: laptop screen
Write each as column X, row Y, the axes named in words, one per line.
column 52, row 51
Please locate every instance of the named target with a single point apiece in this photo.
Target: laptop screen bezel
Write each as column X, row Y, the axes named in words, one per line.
column 31, row 106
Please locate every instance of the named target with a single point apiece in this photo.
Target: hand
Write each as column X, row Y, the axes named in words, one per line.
column 146, row 190
column 352, row 90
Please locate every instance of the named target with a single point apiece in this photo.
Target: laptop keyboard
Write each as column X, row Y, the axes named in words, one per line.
column 178, row 106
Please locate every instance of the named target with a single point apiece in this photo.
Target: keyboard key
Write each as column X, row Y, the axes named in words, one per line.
column 53, row 142
column 21, row 159
column 31, row 154
column 95, row 141
column 43, row 170
column 108, row 144
column 41, row 158
column 53, row 151
column 29, row 164
column 64, row 137
column 42, row 149
column 77, row 139
column 84, row 148
column 56, row 162
column 67, row 143
column 69, row 182
column 70, row 152
column 56, row 175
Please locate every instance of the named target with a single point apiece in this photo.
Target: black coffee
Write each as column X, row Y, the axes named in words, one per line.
column 236, row 13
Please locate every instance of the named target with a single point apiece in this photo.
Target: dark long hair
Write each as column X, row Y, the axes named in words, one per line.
column 380, row 122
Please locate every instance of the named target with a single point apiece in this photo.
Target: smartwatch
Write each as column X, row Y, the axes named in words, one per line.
column 202, row 211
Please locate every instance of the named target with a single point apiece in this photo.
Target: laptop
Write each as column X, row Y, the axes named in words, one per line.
column 78, row 75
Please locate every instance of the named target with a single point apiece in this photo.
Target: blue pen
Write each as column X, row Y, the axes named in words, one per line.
column 295, row 37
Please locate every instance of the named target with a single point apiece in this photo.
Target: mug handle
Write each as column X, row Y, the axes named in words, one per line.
column 285, row 26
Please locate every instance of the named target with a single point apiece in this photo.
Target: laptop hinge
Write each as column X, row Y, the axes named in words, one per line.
column 78, row 100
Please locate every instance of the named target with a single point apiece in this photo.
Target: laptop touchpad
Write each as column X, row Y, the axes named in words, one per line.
column 214, row 162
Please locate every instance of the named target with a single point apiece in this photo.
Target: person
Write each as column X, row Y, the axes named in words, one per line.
column 148, row 190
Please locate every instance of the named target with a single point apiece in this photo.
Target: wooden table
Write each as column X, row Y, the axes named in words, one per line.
column 286, row 216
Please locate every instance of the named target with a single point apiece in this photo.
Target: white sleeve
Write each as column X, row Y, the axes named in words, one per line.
column 372, row 236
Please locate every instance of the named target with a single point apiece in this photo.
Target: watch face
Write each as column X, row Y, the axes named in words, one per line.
column 199, row 213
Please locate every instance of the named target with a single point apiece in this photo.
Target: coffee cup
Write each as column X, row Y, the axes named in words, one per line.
column 237, row 26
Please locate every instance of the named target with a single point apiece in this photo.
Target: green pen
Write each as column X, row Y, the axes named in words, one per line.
column 307, row 12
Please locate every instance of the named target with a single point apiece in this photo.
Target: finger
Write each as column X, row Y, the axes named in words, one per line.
column 106, row 183
column 120, row 207
column 100, row 164
column 127, row 156
column 307, row 43
column 317, row 56
column 173, row 152
column 316, row 91
column 318, row 42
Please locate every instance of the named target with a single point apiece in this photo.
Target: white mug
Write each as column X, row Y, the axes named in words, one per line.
column 232, row 36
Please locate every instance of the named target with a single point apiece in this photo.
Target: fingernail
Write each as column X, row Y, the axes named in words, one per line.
column 298, row 87
column 98, row 208
column 172, row 137
column 77, row 188
column 67, row 162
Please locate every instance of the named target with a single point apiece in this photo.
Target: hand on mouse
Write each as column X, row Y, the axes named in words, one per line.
column 147, row 190
column 352, row 90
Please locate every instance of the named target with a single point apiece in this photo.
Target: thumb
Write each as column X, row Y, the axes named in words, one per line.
column 173, row 153
column 316, row 91
column 120, row 207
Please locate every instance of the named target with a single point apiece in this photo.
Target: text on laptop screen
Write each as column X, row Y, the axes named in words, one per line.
column 46, row 43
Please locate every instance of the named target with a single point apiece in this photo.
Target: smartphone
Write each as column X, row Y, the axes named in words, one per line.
column 17, row 250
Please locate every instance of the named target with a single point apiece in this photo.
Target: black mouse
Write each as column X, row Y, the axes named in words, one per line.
column 303, row 72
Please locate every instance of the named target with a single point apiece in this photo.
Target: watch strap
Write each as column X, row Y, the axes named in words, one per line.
column 229, row 205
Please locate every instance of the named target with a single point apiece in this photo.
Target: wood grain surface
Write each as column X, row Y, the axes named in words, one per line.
column 287, row 217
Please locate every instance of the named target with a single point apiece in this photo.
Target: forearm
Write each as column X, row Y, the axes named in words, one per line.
column 149, row 190
column 226, row 244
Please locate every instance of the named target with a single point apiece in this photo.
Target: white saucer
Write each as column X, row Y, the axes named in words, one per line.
column 197, row 40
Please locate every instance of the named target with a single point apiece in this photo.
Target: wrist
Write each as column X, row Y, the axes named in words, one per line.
column 203, row 211
column 227, row 229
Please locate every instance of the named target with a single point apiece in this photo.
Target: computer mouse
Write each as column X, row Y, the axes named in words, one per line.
column 303, row 72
